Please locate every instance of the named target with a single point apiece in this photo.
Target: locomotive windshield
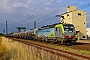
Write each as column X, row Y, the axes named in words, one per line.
column 69, row 27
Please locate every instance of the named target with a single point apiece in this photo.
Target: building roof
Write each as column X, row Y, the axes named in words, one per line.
column 69, row 12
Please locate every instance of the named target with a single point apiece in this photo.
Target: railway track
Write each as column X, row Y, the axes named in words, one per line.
column 65, row 54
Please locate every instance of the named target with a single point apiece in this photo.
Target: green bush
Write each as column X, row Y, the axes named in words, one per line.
column 1, row 34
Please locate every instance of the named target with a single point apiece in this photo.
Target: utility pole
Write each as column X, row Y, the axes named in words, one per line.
column 6, row 28
column 34, row 30
column 3, row 31
column 34, row 24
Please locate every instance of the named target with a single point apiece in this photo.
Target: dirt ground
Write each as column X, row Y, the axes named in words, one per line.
column 81, row 45
column 84, row 41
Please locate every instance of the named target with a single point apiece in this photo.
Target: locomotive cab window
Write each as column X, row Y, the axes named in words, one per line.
column 56, row 28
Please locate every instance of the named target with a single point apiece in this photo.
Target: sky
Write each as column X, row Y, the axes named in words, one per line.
column 23, row 13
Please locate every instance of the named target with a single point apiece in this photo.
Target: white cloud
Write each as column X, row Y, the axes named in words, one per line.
column 29, row 1
column 9, row 5
column 4, row 5
column 19, row 5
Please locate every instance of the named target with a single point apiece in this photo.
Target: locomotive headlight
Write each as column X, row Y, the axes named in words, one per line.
column 70, row 31
column 65, row 31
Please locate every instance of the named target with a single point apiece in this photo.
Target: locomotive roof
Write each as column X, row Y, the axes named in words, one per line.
column 69, row 24
column 53, row 25
column 50, row 26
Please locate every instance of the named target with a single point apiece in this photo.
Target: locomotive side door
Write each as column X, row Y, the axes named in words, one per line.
column 58, row 32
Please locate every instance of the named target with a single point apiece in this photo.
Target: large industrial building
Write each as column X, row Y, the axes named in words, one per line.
column 78, row 18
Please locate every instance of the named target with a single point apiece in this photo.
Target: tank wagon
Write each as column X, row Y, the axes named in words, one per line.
column 30, row 34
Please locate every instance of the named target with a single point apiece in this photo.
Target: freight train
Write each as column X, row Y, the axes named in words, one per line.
column 59, row 33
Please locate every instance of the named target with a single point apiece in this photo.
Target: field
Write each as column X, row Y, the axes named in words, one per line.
column 4, row 55
column 25, row 50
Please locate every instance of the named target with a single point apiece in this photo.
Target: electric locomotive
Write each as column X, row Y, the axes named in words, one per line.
column 60, row 33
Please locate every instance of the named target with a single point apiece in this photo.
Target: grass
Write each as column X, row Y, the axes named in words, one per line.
column 4, row 54
column 85, row 52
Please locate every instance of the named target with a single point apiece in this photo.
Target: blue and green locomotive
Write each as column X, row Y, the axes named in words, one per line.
column 60, row 33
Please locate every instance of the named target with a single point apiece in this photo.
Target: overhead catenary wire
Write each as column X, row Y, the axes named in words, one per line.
column 55, row 17
column 84, row 6
column 64, row 19
column 44, row 8
column 52, row 11
column 55, row 10
column 28, row 23
column 37, row 6
column 43, row 16
column 50, row 19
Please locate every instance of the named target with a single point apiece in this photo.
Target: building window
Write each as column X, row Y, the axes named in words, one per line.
column 79, row 14
column 63, row 17
column 67, row 14
column 83, row 36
